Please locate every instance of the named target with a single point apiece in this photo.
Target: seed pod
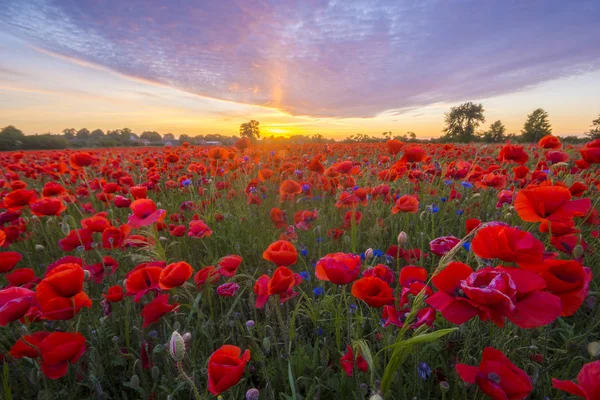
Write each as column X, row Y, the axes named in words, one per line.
column 177, row 347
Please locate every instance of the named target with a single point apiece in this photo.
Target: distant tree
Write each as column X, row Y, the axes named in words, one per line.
column 495, row 134
column 114, row 133
column 185, row 138
column 462, row 121
column 151, row 136
column 69, row 133
column 97, row 133
column 83, row 133
column 126, row 134
column 594, row 132
column 536, row 127
column 412, row 137
column 250, row 130
column 387, row 135
column 11, row 133
column 169, row 136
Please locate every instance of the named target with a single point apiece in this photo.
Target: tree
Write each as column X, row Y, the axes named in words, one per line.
column 594, row 132
column 250, row 130
column 151, row 136
column 495, row 134
column 83, row 133
column 536, row 127
column 11, row 133
column 97, row 133
column 69, row 133
column 387, row 135
column 462, row 121
column 185, row 138
column 169, row 136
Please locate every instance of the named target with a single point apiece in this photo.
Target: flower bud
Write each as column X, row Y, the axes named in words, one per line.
column 252, row 394
column 594, row 349
column 368, row 253
column 476, row 195
column 402, row 238
column 187, row 338
column 177, row 347
column 376, row 397
column 155, row 372
column 39, row 247
column 86, row 275
column 577, row 251
column 162, row 239
column 250, row 324
column 134, row 382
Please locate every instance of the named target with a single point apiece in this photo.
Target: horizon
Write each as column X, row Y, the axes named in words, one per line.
column 299, row 69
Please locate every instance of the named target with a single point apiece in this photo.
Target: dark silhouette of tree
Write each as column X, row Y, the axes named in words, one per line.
column 83, row 133
column 69, row 133
column 250, row 130
column 594, row 132
column 462, row 121
column 536, row 127
column 11, row 133
column 151, row 136
column 185, row 138
column 496, row 133
column 169, row 136
column 97, row 134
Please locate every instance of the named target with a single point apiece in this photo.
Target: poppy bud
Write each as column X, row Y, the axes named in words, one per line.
column 445, row 386
column 86, row 275
column 476, row 195
column 155, row 372
column 508, row 216
column 134, row 382
column 252, row 394
column 402, row 238
column 162, row 239
column 34, row 377
column 368, row 254
column 39, row 247
column 176, row 326
column 177, row 347
column 376, row 397
column 65, row 228
column 594, row 349
column 577, row 251
column 266, row 345
column 187, row 338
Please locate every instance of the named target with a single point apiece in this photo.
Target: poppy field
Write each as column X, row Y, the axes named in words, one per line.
column 341, row 271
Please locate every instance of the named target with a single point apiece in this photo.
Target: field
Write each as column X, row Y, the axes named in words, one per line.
column 386, row 270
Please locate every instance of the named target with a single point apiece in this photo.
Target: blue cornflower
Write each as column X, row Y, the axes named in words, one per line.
column 304, row 251
column 355, row 187
column 459, row 212
column 423, row 370
column 466, row 184
column 433, row 208
column 318, row 291
column 305, row 275
column 377, row 253
column 443, row 199
column 352, row 308
column 447, row 182
column 246, row 158
column 305, row 187
column 186, row 182
column 319, row 239
column 319, row 331
column 467, row 246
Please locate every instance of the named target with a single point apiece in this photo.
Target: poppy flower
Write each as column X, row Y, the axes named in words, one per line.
column 578, row 188
column 338, row 268
column 209, row 274
column 96, row 223
column 380, row 271
column 391, row 316
column 412, row 282
column 228, row 265
column 145, row 213
column 158, row 307
column 497, row 376
column 24, row 277
column 407, row 204
column 113, row 238
column 288, row 190
column 442, row 245
column 547, row 202
column 261, row 290
column 347, row 362
column 53, row 189
column 507, row 244
column 14, row 303
column 556, row 157
column 47, row 206
column 77, row 238
column 141, row 280
column 2, row 237
column 121, row 202
column 18, row 199
column 303, row 219
column 550, row 142
column 283, row 279
column 591, row 152
column 471, row 224
column 8, row 260
column 228, row 289
column 138, row 192
column 281, row 253
column 588, row 382
column 198, row 229
column 278, row 217
column 226, row 368
column 57, row 350
column 81, row 159
column 513, row 153
column 373, row 291
column 414, row 154
column 60, row 294
column 568, row 280
column 114, row 294
column 394, row 146
column 175, row 275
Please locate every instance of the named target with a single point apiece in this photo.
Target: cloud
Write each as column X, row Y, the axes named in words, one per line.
column 323, row 58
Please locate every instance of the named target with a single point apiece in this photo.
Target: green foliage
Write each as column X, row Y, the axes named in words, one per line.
column 594, row 132
column 462, row 121
column 495, row 134
column 250, row 130
column 536, row 127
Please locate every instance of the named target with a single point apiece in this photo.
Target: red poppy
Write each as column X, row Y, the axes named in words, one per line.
column 175, row 275
column 390, row 315
column 278, row 218
column 18, row 199
column 412, row 281
column 77, row 238
column 48, row 206
column 303, row 219
column 471, row 224
column 414, row 154
column 96, row 223
column 228, row 265
column 406, row 203
column 442, row 245
column 380, row 271
column 8, row 260
column 14, row 303
column 226, row 368
column 52, row 189
column 24, row 277
column 394, row 146
column 141, row 280
column 347, row 362
column 591, row 152
column 207, row 274
column 288, row 190
column 373, row 291
column 338, row 268
column 81, row 159
column 113, row 238
column 281, row 253
column 228, row 289
column 283, row 279
column 60, row 294
column 145, row 213
column 507, row 244
column 121, row 202
column 513, row 153
column 577, row 189
column 158, row 307
column 569, row 280
column 550, row 142
column 496, row 376
column 57, row 350
column 138, row 192
column 588, row 382
column 114, row 294
column 198, row 229
column 261, row 290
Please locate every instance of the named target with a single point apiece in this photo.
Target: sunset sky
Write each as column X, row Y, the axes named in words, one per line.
column 299, row 67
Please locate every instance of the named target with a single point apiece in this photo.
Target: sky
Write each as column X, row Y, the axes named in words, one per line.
column 330, row 67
